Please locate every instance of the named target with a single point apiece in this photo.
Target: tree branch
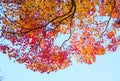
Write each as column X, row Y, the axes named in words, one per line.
column 63, row 17
column 74, row 4
column 108, row 20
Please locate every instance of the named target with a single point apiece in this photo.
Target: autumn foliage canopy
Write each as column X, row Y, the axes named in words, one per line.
column 31, row 28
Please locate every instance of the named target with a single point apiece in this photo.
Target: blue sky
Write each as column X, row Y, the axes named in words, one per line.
column 106, row 68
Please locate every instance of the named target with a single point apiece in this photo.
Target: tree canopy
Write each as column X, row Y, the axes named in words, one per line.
column 32, row 26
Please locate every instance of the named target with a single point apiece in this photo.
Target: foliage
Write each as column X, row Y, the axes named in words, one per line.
column 32, row 27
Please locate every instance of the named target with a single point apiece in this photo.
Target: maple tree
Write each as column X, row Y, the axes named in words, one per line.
column 32, row 27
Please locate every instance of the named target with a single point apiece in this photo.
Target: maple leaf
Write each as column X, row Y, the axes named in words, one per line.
column 33, row 26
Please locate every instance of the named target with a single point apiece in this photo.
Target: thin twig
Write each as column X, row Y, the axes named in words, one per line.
column 108, row 20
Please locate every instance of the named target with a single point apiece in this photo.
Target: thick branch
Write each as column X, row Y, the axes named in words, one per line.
column 63, row 17
column 74, row 4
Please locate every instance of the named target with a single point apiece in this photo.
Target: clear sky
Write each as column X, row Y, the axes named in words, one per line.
column 106, row 68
